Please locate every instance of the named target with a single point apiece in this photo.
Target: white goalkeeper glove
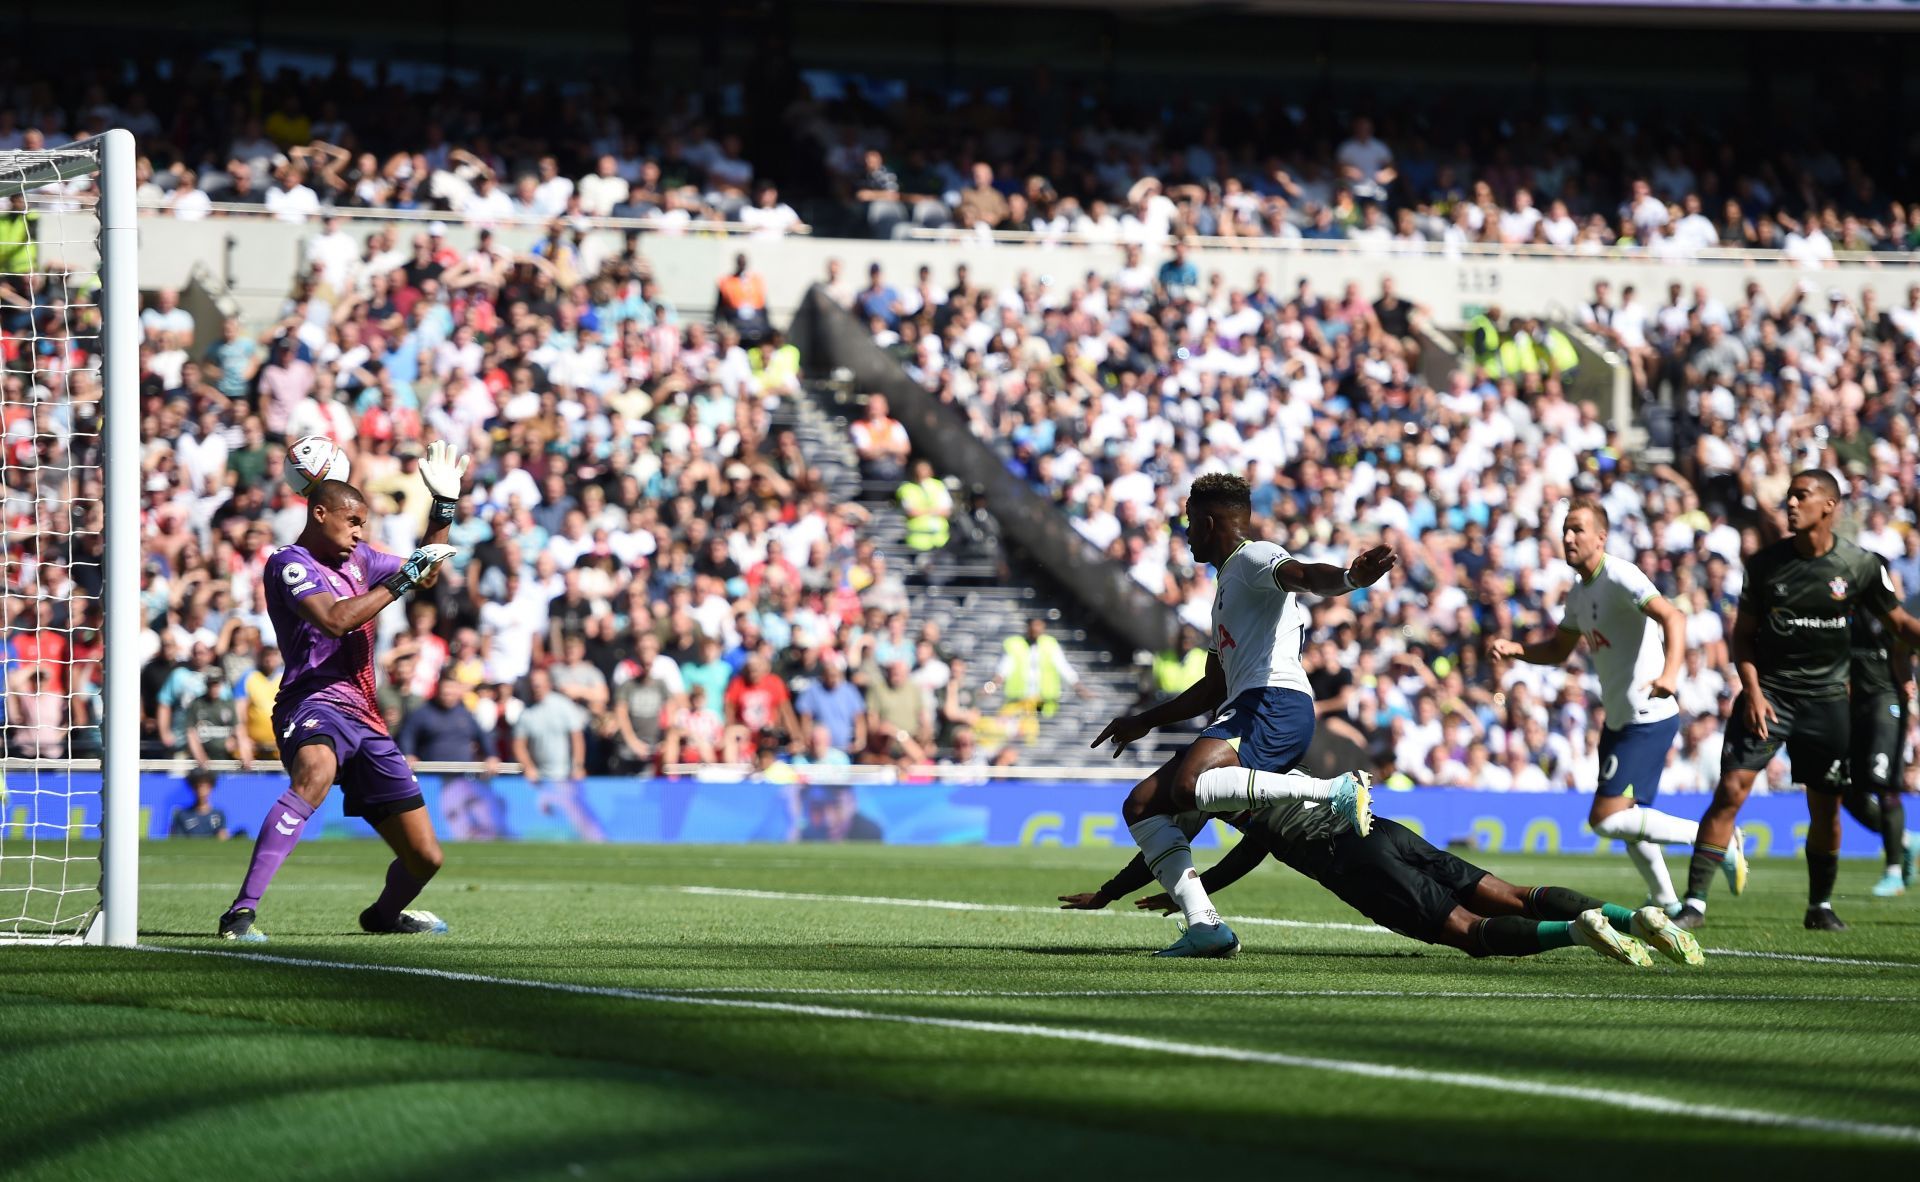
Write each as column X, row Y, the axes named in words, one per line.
column 443, row 469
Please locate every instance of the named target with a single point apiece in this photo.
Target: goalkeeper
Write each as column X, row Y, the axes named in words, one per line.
column 1395, row 878
column 323, row 593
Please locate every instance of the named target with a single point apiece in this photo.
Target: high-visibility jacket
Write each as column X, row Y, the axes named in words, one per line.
column 927, row 527
column 1173, row 673
column 744, row 291
column 1048, row 650
column 1518, row 357
column 1483, row 342
column 19, row 253
column 779, row 371
column 1561, row 352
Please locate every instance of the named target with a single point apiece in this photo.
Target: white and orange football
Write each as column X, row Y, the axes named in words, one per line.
column 313, row 459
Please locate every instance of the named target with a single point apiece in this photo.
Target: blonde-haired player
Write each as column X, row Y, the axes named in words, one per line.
column 1636, row 640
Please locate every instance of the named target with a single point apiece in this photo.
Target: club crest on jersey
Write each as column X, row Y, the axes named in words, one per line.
column 1839, row 587
column 353, row 572
column 293, row 573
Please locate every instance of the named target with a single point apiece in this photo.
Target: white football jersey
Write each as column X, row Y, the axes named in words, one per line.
column 1627, row 647
column 1257, row 627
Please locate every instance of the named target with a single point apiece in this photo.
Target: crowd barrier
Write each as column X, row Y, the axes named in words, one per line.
column 46, row 806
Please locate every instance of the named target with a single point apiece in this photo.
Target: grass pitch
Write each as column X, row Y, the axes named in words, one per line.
column 751, row 1011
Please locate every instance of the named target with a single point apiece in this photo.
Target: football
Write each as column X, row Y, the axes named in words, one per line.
column 313, row 459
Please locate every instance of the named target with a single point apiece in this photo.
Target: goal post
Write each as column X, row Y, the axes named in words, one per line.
column 70, row 477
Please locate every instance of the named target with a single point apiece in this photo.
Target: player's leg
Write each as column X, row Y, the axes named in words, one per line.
column 1872, row 792
column 1495, row 897
column 312, row 767
column 380, row 788
column 417, row 858
column 1820, row 766
column 1718, row 848
column 1631, row 762
column 1272, row 729
column 1149, row 813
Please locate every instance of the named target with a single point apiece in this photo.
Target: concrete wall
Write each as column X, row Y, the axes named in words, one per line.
column 257, row 258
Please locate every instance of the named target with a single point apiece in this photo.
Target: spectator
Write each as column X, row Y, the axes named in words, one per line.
column 834, row 706
column 928, row 507
column 550, row 744
column 758, row 703
column 200, row 819
column 1034, row 670
column 981, row 205
column 881, row 443
column 443, row 730
column 743, row 300
column 899, row 723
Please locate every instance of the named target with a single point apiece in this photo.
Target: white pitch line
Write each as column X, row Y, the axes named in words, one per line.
column 1368, row 928
column 1015, row 908
column 1386, row 994
column 1613, row 1098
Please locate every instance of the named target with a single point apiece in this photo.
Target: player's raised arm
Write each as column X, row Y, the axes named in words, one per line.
column 1202, row 697
column 1324, row 578
column 443, row 470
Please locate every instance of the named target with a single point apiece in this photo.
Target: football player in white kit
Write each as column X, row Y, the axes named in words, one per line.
column 1636, row 640
column 1249, row 757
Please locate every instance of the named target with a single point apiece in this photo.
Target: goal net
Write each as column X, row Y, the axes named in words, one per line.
column 69, row 544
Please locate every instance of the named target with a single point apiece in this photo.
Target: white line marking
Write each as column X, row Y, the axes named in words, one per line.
column 952, row 905
column 1369, row 929
column 1387, row 994
column 1610, row 1097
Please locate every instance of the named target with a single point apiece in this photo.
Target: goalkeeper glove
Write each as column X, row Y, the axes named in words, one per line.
column 417, row 568
column 443, row 469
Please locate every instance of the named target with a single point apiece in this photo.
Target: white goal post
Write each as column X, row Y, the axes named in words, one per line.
column 70, row 327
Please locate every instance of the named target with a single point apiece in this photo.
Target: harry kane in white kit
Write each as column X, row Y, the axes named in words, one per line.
column 1636, row 640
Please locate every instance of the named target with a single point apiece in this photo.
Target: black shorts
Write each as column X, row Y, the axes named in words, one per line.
column 1879, row 733
column 1814, row 730
column 1399, row 880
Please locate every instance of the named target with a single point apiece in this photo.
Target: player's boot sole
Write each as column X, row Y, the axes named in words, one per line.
column 1822, row 919
column 1653, row 927
column 1593, row 930
column 1353, row 799
column 1734, row 866
column 238, row 926
column 1690, row 919
column 1215, row 942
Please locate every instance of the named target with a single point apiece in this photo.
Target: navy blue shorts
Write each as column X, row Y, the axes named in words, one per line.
column 1269, row 726
column 1633, row 758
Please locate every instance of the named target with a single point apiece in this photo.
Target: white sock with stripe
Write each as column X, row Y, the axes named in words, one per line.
column 1651, row 862
column 1170, row 858
column 1641, row 823
column 1231, row 789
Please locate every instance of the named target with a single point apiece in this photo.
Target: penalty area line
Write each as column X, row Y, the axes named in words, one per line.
column 1608, row 1097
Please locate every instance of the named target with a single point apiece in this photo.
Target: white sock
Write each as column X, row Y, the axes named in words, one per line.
column 1170, row 859
column 1652, row 865
column 1895, row 868
column 1231, row 789
column 1699, row 905
column 1644, row 824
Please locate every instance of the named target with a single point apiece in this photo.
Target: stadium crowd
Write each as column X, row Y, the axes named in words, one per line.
column 1111, row 394
column 1067, row 160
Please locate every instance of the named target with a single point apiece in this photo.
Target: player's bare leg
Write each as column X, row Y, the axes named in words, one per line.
column 1718, row 849
column 314, row 768
column 1823, row 860
column 417, row 858
column 1149, row 813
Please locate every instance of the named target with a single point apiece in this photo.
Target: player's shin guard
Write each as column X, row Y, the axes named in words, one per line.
column 402, row 888
column 1644, row 824
column 1166, row 852
column 1232, row 789
column 1510, row 935
column 279, row 833
column 1557, row 903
